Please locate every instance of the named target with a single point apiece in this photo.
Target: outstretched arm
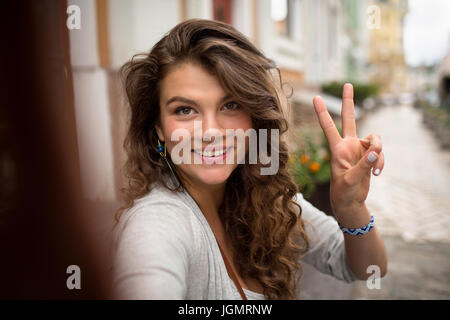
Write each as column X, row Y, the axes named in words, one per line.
column 352, row 161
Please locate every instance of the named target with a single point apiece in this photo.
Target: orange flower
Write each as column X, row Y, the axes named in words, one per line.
column 314, row 167
column 304, row 158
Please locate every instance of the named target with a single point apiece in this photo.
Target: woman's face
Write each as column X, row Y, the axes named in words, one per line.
column 189, row 93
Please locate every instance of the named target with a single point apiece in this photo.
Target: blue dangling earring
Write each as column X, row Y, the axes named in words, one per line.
column 160, row 149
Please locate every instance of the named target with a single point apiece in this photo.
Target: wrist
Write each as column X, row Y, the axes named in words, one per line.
column 355, row 217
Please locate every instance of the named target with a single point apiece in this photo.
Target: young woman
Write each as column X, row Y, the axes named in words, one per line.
column 203, row 221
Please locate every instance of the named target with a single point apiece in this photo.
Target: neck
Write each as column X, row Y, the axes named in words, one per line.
column 208, row 197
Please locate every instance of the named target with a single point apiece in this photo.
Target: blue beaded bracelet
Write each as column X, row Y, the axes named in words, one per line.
column 359, row 231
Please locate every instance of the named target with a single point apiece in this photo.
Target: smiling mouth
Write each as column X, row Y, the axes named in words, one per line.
column 211, row 154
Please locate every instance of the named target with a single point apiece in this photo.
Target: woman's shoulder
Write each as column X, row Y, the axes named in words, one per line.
column 161, row 213
column 159, row 194
column 160, row 197
column 316, row 221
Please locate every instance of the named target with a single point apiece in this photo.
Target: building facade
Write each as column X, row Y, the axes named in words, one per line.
column 386, row 57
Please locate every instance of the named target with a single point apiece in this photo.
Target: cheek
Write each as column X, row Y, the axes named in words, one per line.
column 246, row 122
column 243, row 122
column 177, row 129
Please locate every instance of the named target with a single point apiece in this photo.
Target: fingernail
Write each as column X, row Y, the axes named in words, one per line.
column 371, row 157
column 377, row 171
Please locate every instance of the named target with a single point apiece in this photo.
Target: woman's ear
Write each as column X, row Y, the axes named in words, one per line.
column 159, row 132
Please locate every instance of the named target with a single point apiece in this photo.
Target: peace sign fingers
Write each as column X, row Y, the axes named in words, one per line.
column 326, row 122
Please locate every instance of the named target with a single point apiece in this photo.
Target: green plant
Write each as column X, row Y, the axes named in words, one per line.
column 310, row 163
column 438, row 113
column 361, row 91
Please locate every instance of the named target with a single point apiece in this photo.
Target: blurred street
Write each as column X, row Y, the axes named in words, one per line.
column 411, row 204
column 410, row 198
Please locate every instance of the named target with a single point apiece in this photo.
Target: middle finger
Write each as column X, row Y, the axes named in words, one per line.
column 348, row 112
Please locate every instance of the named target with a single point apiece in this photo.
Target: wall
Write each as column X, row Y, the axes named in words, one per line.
column 91, row 107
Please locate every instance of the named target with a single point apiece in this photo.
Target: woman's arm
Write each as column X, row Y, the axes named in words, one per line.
column 326, row 251
column 364, row 250
column 353, row 162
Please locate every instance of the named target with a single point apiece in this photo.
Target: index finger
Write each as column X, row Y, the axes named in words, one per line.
column 326, row 122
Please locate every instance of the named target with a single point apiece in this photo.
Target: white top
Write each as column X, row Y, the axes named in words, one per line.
column 164, row 248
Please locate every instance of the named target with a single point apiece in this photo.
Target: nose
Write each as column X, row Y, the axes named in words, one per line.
column 211, row 128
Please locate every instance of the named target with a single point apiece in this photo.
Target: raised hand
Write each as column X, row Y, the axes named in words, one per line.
column 352, row 159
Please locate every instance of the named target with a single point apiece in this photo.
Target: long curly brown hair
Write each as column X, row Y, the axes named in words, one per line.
column 259, row 213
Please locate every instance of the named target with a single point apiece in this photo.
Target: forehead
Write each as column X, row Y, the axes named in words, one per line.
column 191, row 80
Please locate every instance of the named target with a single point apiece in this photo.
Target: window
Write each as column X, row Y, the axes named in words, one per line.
column 281, row 12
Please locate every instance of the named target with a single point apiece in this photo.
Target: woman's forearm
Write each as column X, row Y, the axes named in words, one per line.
column 364, row 250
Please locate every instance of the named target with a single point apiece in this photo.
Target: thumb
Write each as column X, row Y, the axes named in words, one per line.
column 363, row 166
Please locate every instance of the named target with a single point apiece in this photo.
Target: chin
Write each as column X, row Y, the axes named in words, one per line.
column 214, row 175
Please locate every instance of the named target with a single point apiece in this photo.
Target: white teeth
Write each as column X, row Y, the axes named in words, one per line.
column 214, row 153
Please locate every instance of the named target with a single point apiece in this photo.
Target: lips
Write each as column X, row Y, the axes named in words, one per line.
column 211, row 153
column 214, row 153
column 212, row 157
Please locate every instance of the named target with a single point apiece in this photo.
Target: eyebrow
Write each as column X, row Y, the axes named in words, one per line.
column 192, row 102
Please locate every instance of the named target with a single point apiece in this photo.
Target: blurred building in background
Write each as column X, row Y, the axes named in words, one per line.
column 323, row 28
column 443, row 74
column 356, row 52
column 386, row 54
column 424, row 79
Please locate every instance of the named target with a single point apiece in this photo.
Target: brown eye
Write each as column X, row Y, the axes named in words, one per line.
column 183, row 111
column 231, row 106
